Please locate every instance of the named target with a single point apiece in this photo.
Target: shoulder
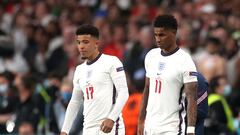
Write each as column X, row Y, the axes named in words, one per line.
column 184, row 53
column 80, row 67
column 184, row 56
column 152, row 52
column 109, row 58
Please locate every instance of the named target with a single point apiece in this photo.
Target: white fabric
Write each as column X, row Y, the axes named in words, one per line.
column 190, row 129
column 96, row 83
column 116, row 130
column 167, row 74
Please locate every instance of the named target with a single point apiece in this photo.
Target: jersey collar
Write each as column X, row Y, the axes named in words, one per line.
column 91, row 62
column 170, row 53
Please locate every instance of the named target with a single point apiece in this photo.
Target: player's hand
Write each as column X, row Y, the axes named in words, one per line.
column 107, row 125
column 63, row 133
column 140, row 128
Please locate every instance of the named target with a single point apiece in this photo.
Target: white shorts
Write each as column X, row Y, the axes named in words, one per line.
column 97, row 131
column 153, row 132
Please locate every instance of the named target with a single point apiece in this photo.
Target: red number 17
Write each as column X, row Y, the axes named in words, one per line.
column 158, row 86
column 89, row 91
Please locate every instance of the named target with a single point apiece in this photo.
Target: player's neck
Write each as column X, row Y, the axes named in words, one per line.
column 93, row 58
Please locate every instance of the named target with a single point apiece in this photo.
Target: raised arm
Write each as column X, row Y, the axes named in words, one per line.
column 191, row 94
column 143, row 107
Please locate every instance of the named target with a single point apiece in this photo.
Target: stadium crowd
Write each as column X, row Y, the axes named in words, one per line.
column 38, row 55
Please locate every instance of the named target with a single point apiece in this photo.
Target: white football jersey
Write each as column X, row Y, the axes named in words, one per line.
column 166, row 108
column 96, row 81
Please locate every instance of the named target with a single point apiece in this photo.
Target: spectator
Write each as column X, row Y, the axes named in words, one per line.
column 26, row 109
column 220, row 118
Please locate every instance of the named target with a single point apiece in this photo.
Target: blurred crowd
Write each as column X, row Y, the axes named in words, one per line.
column 38, row 55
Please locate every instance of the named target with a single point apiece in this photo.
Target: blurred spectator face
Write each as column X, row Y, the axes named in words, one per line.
column 66, row 91
column 177, row 15
column 231, row 47
column 30, row 31
column 41, row 38
column 114, row 13
column 52, row 2
column 21, row 20
column 145, row 37
column 53, row 29
column 221, row 34
column 4, row 85
column 99, row 21
column 212, row 46
column 53, row 82
column 133, row 32
column 65, row 20
column 143, row 10
column 68, row 34
column 106, row 37
column 119, row 34
column 26, row 129
column 223, row 88
column 1, row 12
column 234, row 22
column 18, row 82
column 28, row 6
column 188, row 9
column 185, row 35
column 78, row 16
column 41, row 10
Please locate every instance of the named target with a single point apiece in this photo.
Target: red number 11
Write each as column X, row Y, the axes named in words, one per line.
column 89, row 91
column 158, row 86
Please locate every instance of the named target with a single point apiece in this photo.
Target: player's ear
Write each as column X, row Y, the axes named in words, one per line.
column 97, row 43
column 173, row 31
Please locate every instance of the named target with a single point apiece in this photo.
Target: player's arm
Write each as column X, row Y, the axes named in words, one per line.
column 143, row 107
column 72, row 109
column 191, row 94
column 119, row 79
column 73, row 106
column 189, row 73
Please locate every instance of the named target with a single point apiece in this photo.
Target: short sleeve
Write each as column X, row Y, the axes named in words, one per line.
column 189, row 70
column 146, row 64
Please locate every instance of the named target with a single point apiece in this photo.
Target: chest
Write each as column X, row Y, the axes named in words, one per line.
column 167, row 69
column 94, row 76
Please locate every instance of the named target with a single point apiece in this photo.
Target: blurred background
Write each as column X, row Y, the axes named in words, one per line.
column 38, row 56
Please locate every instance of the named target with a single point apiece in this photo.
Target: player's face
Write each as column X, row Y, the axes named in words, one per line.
column 165, row 38
column 87, row 46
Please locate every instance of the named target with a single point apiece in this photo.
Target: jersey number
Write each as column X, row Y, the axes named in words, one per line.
column 89, row 91
column 158, row 86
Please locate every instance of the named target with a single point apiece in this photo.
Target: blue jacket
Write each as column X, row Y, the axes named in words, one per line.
column 202, row 95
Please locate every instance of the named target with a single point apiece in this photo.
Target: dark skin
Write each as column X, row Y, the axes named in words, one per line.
column 166, row 40
column 88, row 48
column 143, row 107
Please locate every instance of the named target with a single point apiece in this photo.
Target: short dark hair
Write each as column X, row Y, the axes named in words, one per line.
column 214, row 82
column 166, row 21
column 215, row 41
column 86, row 29
column 29, row 82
